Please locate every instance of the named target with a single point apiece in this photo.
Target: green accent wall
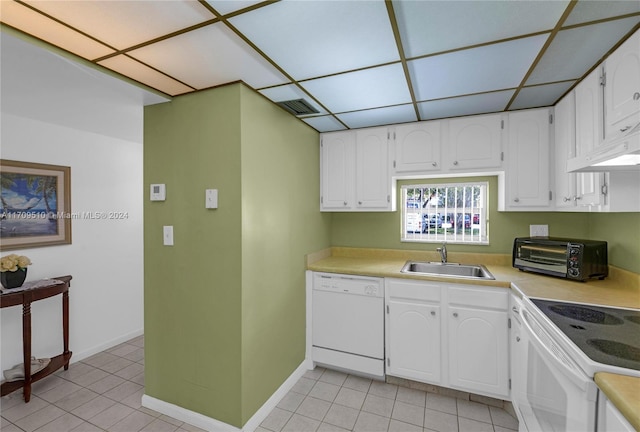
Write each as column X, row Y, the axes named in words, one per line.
column 382, row 230
column 225, row 306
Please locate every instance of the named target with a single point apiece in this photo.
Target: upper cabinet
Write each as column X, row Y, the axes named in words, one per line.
column 337, row 171
column 417, row 147
column 527, row 173
column 622, row 88
column 355, row 171
column 588, row 114
column 373, row 182
column 474, row 142
column 575, row 191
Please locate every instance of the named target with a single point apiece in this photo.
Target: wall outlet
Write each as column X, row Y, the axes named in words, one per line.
column 539, row 230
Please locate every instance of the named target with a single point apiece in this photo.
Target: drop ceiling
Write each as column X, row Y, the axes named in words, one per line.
column 358, row 63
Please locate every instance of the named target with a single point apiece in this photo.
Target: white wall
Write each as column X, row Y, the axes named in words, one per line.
column 105, row 257
column 59, row 113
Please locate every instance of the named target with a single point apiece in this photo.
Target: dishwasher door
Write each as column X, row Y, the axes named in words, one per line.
column 348, row 315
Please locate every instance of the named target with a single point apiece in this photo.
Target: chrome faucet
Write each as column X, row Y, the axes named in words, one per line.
column 443, row 253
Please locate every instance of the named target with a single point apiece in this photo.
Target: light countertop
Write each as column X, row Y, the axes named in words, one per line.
column 620, row 289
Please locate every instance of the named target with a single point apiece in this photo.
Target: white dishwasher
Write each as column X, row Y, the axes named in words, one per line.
column 348, row 323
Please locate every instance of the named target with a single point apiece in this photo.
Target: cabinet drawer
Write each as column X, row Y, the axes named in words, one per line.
column 492, row 298
column 413, row 290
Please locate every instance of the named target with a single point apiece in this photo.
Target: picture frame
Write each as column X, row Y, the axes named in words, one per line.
column 35, row 205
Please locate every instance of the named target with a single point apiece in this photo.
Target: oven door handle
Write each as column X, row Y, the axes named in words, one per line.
column 571, row 370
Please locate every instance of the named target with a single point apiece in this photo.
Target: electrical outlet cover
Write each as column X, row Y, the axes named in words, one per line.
column 539, row 230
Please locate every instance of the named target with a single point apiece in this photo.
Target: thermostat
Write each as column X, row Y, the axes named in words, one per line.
column 158, row 192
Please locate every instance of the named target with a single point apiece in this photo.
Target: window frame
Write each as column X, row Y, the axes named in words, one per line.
column 445, row 226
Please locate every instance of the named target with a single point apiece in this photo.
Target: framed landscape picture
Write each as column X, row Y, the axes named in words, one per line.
column 35, row 205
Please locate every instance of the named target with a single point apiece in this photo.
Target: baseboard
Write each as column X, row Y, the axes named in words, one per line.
column 78, row 356
column 255, row 420
column 211, row 424
column 187, row 416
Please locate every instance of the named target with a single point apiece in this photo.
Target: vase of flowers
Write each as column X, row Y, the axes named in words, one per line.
column 13, row 270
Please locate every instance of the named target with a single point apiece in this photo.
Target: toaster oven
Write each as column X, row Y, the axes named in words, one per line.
column 567, row 258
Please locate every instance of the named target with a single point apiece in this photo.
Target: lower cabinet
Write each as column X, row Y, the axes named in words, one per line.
column 449, row 335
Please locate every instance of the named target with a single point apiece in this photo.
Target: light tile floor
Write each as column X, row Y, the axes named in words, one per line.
column 325, row 400
column 100, row 393
column 103, row 393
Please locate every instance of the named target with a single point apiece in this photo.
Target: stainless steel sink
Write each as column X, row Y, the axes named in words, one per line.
column 455, row 270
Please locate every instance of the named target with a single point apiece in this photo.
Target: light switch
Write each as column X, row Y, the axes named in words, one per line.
column 167, row 235
column 211, row 198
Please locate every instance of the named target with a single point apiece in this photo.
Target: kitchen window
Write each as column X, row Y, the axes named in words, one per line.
column 453, row 213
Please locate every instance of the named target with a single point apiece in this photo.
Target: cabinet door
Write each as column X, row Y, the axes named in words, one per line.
column 475, row 142
column 609, row 417
column 622, row 87
column 417, row 147
column 337, row 155
column 373, row 182
column 528, row 169
column 413, row 342
column 478, row 352
column 589, row 189
column 589, row 124
column 564, row 131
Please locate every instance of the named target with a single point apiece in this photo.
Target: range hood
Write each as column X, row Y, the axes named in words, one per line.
column 620, row 154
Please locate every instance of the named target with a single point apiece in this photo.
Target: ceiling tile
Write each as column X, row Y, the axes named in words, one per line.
column 465, row 105
column 37, row 25
column 573, row 52
column 144, row 74
column 315, row 38
column 324, row 123
column 428, row 27
column 540, row 96
column 380, row 116
column 227, row 6
column 210, row 56
column 586, row 11
column 369, row 88
column 492, row 67
column 123, row 24
column 290, row 92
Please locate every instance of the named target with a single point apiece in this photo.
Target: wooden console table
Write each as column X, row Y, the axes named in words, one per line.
column 25, row 298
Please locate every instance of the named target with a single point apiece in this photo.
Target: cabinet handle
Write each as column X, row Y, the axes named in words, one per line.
column 345, row 203
column 577, row 198
column 359, row 202
column 566, row 199
column 516, row 200
column 626, row 128
column 434, row 164
column 515, row 310
column 455, row 162
column 455, row 314
column 433, row 313
column 517, row 338
column 636, row 96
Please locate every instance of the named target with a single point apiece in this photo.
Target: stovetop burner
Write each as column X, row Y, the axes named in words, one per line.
column 606, row 335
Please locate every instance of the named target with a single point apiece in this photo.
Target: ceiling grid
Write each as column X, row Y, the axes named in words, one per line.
column 358, row 63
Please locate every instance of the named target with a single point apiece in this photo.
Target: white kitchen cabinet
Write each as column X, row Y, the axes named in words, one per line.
column 527, row 174
column 413, row 344
column 589, row 113
column 355, row 171
column 609, row 417
column 449, row 335
column 573, row 191
column 337, row 158
column 373, row 181
column 622, row 88
column 478, row 325
column 417, row 147
column 474, row 142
